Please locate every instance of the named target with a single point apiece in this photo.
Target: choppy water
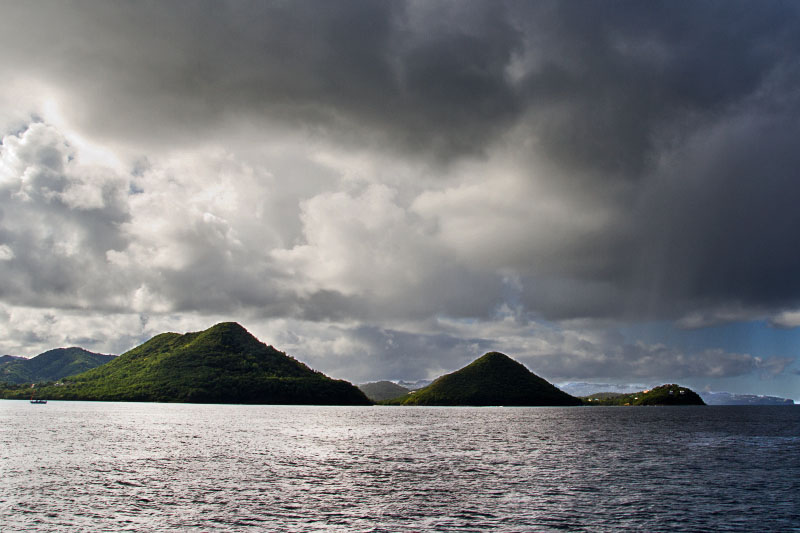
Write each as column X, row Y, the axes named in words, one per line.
column 145, row 467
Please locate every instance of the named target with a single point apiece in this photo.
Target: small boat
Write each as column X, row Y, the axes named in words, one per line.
column 36, row 400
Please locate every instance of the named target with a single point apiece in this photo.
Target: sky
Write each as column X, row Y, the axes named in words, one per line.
column 604, row 191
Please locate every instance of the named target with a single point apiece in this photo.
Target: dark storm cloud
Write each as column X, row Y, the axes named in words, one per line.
column 608, row 78
column 597, row 82
column 722, row 216
column 694, row 106
column 162, row 69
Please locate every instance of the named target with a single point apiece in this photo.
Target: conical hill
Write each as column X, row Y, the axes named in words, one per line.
column 223, row 364
column 493, row 379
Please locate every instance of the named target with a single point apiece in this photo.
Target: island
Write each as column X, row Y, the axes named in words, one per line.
column 670, row 394
column 492, row 379
column 223, row 364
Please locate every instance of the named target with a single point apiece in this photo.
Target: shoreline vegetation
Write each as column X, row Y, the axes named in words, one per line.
column 671, row 394
column 225, row 364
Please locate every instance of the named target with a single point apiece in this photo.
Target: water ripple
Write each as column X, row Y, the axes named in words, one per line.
column 144, row 467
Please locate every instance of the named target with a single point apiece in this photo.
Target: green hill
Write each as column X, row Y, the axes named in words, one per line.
column 493, row 379
column 664, row 395
column 383, row 390
column 223, row 364
column 51, row 365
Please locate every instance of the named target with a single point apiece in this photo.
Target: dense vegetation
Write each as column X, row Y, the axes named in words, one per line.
column 663, row 395
column 223, row 364
column 493, row 379
column 383, row 390
column 51, row 365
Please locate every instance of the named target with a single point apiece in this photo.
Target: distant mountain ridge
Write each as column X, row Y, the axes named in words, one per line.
column 581, row 388
column 727, row 398
column 223, row 364
column 383, row 390
column 492, row 379
column 415, row 385
column 584, row 389
column 51, row 365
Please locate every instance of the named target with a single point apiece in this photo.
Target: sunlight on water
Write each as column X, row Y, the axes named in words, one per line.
column 145, row 467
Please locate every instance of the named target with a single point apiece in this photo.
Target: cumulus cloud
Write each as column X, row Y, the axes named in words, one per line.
column 59, row 218
column 356, row 244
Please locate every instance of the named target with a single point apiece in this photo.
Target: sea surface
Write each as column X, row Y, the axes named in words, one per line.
column 81, row 466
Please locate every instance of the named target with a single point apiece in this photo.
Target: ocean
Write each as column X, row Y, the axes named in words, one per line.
column 82, row 466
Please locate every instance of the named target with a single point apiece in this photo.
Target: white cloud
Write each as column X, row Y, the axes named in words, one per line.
column 514, row 211
column 720, row 315
column 6, row 253
column 361, row 244
column 786, row 319
column 60, row 218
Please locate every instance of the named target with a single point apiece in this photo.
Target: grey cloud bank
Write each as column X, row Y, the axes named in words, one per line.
column 453, row 176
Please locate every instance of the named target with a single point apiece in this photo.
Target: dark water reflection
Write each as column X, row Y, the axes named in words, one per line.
column 145, row 467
